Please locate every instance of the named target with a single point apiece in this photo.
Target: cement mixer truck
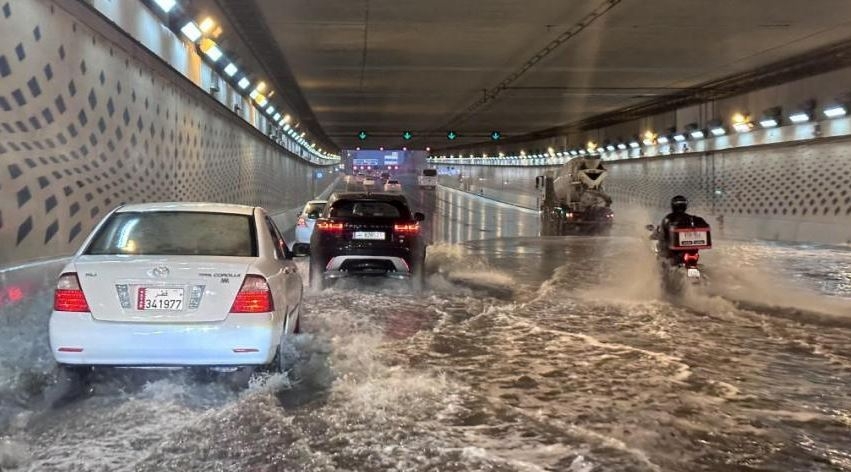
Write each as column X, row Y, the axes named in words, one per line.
column 573, row 200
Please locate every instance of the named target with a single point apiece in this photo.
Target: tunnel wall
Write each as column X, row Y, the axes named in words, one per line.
column 795, row 193
column 87, row 124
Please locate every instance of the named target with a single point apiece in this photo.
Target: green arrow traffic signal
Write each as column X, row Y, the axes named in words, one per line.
column 451, row 135
column 407, row 135
column 496, row 135
column 362, row 135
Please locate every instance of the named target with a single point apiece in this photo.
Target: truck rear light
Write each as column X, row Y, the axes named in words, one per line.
column 69, row 296
column 406, row 228
column 330, row 227
column 255, row 296
column 302, row 222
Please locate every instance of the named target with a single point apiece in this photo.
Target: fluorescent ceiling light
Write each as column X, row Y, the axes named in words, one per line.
column 697, row 134
column 719, row 131
column 191, row 31
column 165, row 5
column 610, row 148
column 231, row 69
column 621, row 146
column 835, row 111
column 277, row 117
column 742, row 127
column 662, row 140
column 254, row 94
column 634, row 144
column 799, row 117
column 679, row 137
column 214, row 53
column 270, row 109
column 768, row 123
column 243, row 83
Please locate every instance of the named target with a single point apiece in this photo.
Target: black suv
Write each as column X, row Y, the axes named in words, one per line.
column 367, row 234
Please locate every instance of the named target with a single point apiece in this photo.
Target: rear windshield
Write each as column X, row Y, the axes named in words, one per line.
column 176, row 233
column 430, row 172
column 369, row 209
column 313, row 210
column 393, row 182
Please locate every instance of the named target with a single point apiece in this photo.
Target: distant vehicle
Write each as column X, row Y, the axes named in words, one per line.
column 367, row 234
column 369, row 181
column 428, row 178
column 359, row 177
column 304, row 226
column 573, row 200
column 392, row 186
column 177, row 284
column 385, row 176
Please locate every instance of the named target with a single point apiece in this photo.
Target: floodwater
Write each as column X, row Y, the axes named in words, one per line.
column 524, row 354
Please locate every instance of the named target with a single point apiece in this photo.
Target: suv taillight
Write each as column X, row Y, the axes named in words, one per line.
column 330, row 227
column 406, row 228
column 69, row 296
column 254, row 296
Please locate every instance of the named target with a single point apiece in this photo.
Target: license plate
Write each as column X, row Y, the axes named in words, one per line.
column 376, row 235
column 693, row 238
column 159, row 299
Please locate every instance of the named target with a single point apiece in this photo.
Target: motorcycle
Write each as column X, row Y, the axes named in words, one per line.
column 680, row 266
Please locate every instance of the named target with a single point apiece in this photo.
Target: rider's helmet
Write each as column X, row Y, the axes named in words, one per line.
column 679, row 204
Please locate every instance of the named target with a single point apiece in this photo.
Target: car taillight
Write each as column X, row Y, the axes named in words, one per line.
column 691, row 259
column 302, row 222
column 254, row 296
column 406, row 228
column 69, row 296
column 330, row 227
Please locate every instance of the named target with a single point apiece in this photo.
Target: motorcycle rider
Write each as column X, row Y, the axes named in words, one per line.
column 677, row 218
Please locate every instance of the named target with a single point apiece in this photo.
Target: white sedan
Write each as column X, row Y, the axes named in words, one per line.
column 392, row 186
column 177, row 284
column 304, row 225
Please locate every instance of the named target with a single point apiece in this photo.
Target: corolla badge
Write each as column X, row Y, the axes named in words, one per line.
column 161, row 271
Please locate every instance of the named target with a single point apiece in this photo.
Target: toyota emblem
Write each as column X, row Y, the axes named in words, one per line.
column 161, row 271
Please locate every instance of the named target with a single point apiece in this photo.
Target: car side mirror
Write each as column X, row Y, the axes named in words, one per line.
column 419, row 216
column 301, row 250
column 288, row 255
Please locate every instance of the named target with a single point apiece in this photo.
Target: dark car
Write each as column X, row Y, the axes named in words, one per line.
column 367, row 234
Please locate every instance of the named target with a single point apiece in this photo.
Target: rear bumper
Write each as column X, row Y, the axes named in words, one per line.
column 244, row 339
column 355, row 265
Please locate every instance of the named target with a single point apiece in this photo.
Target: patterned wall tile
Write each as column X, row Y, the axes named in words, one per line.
column 84, row 127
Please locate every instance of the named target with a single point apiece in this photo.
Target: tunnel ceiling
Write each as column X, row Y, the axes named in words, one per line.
column 385, row 66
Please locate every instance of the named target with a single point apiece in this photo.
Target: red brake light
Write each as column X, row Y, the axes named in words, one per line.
column 69, row 296
column 302, row 223
column 254, row 296
column 330, row 227
column 691, row 258
column 407, row 228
